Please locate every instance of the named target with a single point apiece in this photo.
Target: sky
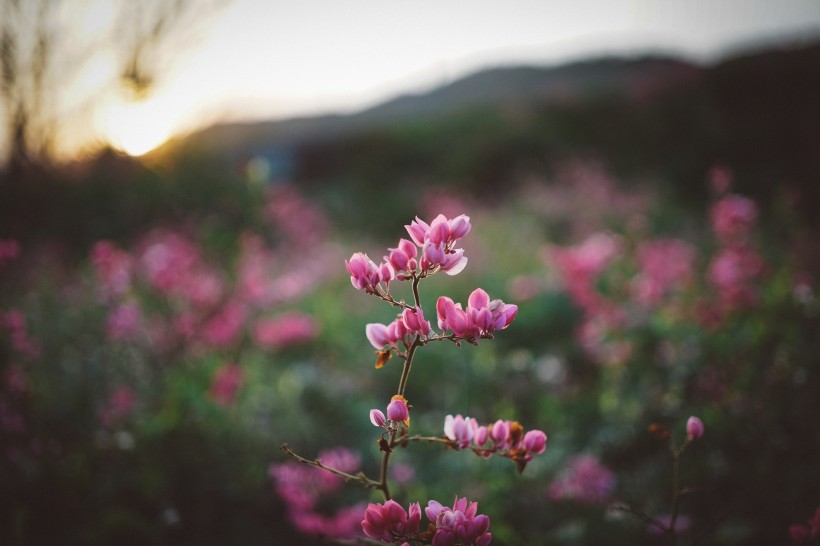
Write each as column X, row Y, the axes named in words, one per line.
column 273, row 59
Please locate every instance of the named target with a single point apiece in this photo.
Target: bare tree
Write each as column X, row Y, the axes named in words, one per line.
column 39, row 54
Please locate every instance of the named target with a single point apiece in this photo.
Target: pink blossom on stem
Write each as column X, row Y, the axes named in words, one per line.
column 535, row 442
column 403, row 258
column 390, row 523
column 365, row 274
column 460, row 524
column 694, row 428
column 381, row 335
column 460, row 429
column 481, row 318
column 377, row 418
column 413, row 320
column 437, row 241
column 397, row 410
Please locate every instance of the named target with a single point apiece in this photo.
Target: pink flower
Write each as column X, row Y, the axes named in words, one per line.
column 451, row 261
column 694, row 428
column 377, row 418
column 535, row 442
column 381, row 335
column 732, row 219
column 390, row 523
column 460, row 429
column 397, row 410
column 459, row 524
column 500, row 434
column 437, row 241
column 403, row 257
column 481, row 318
column 413, row 320
column 365, row 274
column 226, row 383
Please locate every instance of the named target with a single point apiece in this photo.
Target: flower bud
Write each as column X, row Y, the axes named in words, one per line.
column 377, row 418
column 397, row 411
column 694, row 428
column 535, row 441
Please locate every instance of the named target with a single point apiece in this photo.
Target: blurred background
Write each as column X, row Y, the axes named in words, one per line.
column 182, row 180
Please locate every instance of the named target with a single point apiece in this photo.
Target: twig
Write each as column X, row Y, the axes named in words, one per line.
column 360, row 477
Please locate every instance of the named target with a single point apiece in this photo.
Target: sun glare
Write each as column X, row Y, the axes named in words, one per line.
column 136, row 128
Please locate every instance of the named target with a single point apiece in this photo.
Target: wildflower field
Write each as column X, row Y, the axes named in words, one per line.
column 593, row 361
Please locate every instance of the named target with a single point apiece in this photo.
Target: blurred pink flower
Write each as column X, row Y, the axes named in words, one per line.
column 225, row 328
column 123, row 322
column 120, row 405
column 283, row 330
column 732, row 219
column 665, row 265
column 226, row 382
column 808, row 531
column 583, row 480
column 113, row 267
column 732, row 273
column 302, row 488
column 694, row 428
column 9, row 250
column 579, row 267
column 14, row 322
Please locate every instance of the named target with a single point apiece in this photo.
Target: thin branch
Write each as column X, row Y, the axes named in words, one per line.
column 360, row 477
column 641, row 516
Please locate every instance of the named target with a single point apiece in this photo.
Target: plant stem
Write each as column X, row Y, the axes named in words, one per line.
column 383, row 485
column 360, row 477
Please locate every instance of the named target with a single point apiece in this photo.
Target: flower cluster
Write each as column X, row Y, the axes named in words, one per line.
column 432, row 249
column 479, row 320
column 460, row 524
column 735, row 269
column 397, row 412
column 502, row 438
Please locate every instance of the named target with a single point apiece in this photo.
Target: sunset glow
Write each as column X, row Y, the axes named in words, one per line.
column 136, row 128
